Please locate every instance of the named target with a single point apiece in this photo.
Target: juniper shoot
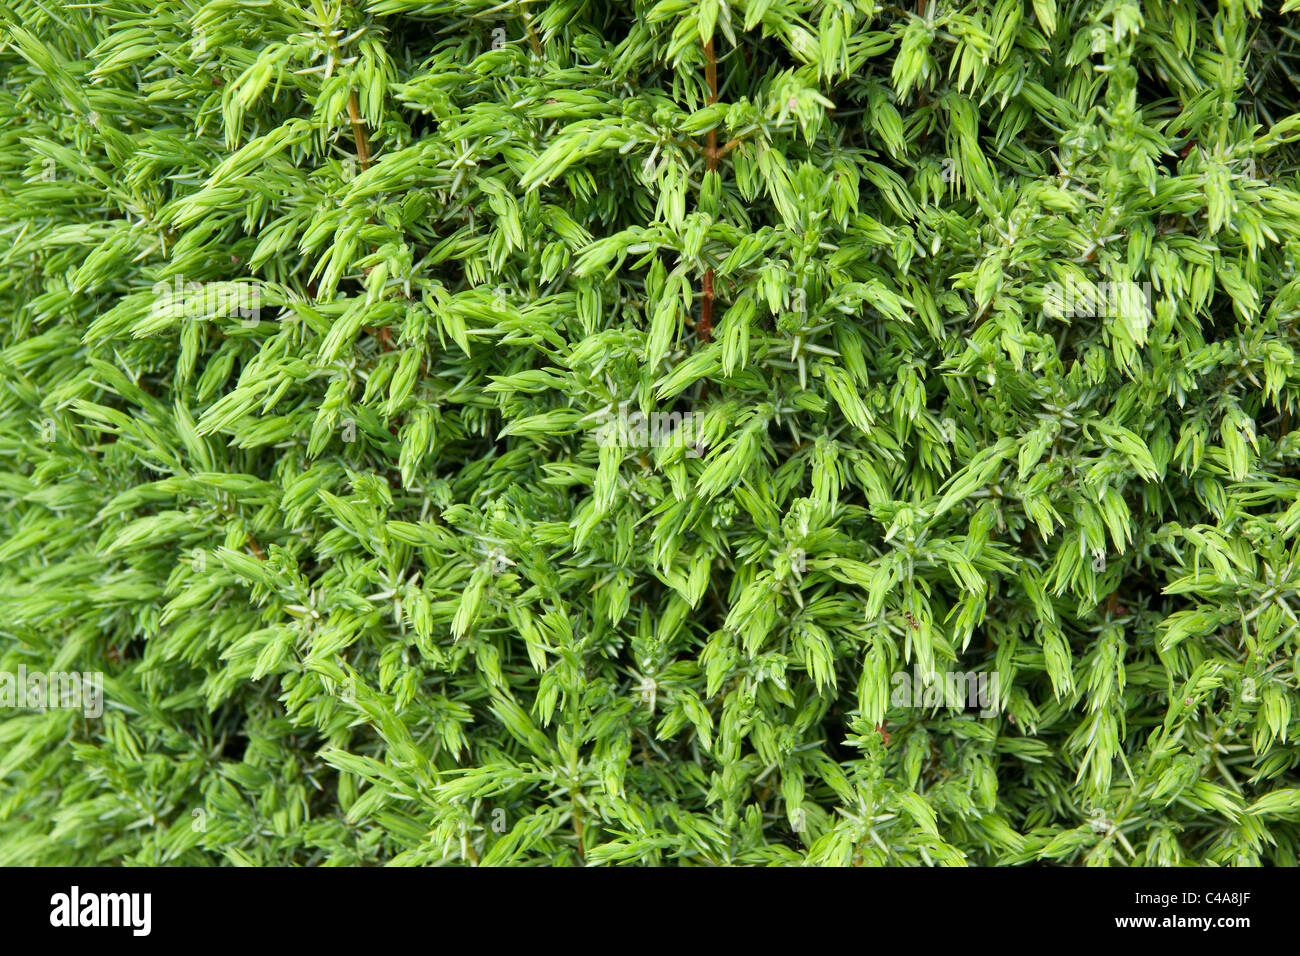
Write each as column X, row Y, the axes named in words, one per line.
column 959, row 340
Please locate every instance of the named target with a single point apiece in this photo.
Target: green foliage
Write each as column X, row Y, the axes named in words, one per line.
column 975, row 325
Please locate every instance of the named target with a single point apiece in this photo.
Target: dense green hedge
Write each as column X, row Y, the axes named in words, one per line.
column 563, row 431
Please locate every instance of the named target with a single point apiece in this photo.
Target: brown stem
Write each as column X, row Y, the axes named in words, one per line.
column 532, row 36
column 730, row 145
column 358, row 131
column 711, row 77
column 363, row 157
column 704, row 328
